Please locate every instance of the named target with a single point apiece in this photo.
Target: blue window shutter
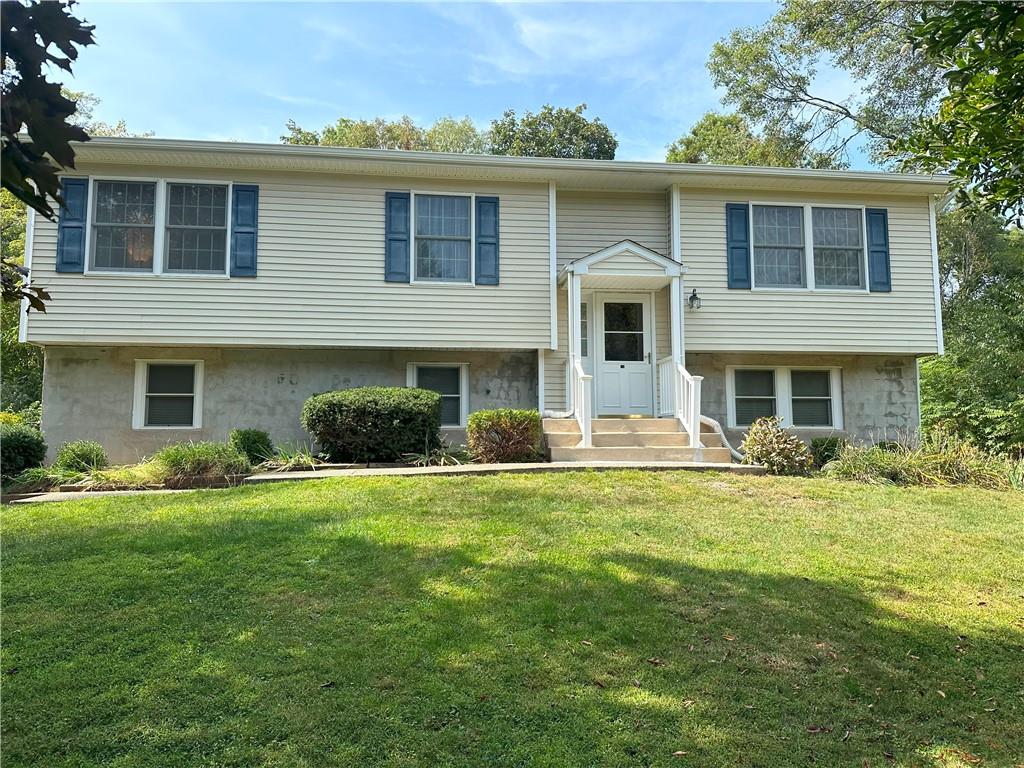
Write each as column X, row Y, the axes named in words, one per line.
column 245, row 206
column 396, row 237
column 487, row 241
column 71, row 225
column 737, row 240
column 879, row 275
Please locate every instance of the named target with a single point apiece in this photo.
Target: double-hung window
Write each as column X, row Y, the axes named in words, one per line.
column 799, row 397
column 808, row 247
column 168, row 394
column 444, row 235
column 159, row 227
column 448, row 380
column 124, row 226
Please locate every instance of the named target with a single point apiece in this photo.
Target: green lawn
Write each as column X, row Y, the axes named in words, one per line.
column 591, row 619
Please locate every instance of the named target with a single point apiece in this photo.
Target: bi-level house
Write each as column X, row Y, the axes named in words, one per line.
column 201, row 286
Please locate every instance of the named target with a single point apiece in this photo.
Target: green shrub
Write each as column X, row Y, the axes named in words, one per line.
column 192, row 459
column 81, row 456
column 32, row 414
column 892, row 446
column 21, row 447
column 254, row 443
column 777, row 450
column 504, row 435
column 374, row 423
column 7, row 417
column 940, row 459
column 826, row 449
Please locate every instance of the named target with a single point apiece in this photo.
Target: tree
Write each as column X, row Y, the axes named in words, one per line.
column 29, row 165
column 445, row 135
column 978, row 131
column 21, row 365
column 553, row 132
column 719, row 139
column 770, row 73
column 84, row 117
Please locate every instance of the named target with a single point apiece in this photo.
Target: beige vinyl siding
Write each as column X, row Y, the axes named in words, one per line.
column 590, row 221
column 903, row 321
column 321, row 278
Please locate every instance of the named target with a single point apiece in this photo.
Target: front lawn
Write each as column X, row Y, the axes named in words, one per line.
column 590, row 619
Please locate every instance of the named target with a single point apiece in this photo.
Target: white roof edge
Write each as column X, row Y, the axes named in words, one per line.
column 673, row 172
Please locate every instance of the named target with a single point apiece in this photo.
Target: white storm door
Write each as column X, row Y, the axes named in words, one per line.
column 625, row 373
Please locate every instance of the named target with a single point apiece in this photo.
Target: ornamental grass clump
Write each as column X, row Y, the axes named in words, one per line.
column 80, row 456
column 777, row 450
column 504, row 435
column 201, row 459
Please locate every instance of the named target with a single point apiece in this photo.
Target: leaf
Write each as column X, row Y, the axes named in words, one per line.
column 328, row 684
column 656, row 662
column 818, row 729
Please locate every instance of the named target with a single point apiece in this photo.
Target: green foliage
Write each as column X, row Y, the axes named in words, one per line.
column 201, row 459
column 32, row 414
column 444, row 455
column 504, row 435
column 777, row 450
column 978, row 131
column 21, row 365
column 36, row 479
column 826, row 449
column 28, row 36
column 374, row 423
column 81, row 456
column 769, row 74
column 718, row 139
column 289, row 457
column 254, row 443
column 553, row 132
column 447, row 134
column 21, row 447
column 9, row 417
column 941, row 458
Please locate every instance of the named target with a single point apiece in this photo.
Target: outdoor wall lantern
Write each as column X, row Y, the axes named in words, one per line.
column 694, row 300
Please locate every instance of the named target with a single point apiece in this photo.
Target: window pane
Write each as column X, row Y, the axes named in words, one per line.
column 757, row 383
column 170, row 378
column 196, row 250
column 125, row 202
column 624, row 346
column 810, row 383
column 620, row 316
column 778, row 246
column 442, row 260
column 838, row 247
column 123, row 248
column 812, row 413
column 197, row 205
column 451, row 411
column 443, row 380
column 439, row 216
column 169, row 411
column 584, row 331
column 749, row 409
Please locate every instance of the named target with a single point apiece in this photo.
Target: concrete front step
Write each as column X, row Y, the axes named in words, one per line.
column 638, row 454
column 621, row 439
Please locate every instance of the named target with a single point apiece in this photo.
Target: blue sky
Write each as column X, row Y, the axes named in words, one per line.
column 241, row 70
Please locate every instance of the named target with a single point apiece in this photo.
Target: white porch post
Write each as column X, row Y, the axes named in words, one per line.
column 676, row 310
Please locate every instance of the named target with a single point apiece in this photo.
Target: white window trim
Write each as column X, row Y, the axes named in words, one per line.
column 160, row 203
column 809, row 248
column 472, row 237
column 139, row 399
column 410, row 381
column 784, row 395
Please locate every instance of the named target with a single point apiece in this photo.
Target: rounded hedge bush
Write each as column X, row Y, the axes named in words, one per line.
column 21, row 447
column 81, row 456
column 374, row 423
column 504, row 435
column 777, row 450
column 254, row 443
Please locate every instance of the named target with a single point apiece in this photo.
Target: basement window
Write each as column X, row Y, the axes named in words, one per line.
column 168, row 394
column 451, row 381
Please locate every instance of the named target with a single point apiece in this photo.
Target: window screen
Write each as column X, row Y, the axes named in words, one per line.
column 123, row 225
column 443, row 238
column 838, row 247
column 170, row 394
column 197, row 219
column 447, row 381
column 812, row 398
column 755, row 395
column 778, row 246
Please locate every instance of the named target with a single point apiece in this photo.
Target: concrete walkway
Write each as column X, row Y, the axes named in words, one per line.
column 459, row 469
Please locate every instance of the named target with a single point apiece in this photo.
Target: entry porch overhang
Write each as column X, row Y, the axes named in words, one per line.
column 625, row 265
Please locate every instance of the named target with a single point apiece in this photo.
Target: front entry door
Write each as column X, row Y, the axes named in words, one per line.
column 625, row 372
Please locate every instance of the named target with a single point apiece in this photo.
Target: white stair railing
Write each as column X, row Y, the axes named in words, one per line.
column 582, row 401
column 679, row 391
